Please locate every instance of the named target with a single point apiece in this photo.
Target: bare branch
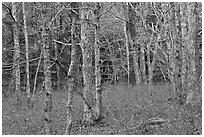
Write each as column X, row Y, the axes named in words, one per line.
column 106, row 10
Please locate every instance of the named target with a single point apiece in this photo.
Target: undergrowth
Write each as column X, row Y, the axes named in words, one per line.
column 127, row 110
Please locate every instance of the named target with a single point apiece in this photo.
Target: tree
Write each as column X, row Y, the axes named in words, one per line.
column 97, row 62
column 127, row 37
column 132, row 32
column 87, row 29
column 193, row 52
column 27, row 54
column 17, row 50
column 48, row 95
column 72, row 68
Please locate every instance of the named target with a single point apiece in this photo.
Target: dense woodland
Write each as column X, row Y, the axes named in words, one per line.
column 101, row 68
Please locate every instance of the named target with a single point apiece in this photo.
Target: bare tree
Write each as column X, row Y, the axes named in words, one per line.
column 86, row 46
column 48, row 95
column 27, row 54
column 17, row 50
column 72, row 74
column 193, row 53
column 97, row 62
column 127, row 37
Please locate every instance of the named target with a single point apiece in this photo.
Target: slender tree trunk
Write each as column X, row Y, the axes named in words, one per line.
column 72, row 76
column 197, row 47
column 86, row 46
column 172, row 54
column 143, row 63
column 48, row 95
column 184, row 48
column 127, row 37
column 27, row 55
column 17, row 52
column 192, row 47
column 97, row 65
column 179, row 88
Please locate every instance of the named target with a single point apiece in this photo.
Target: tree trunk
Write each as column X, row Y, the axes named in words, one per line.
column 97, row 65
column 72, row 76
column 172, row 51
column 127, row 38
column 17, row 52
column 178, row 57
column 48, row 95
column 192, row 47
column 184, row 48
column 143, row 63
column 86, row 46
column 27, row 55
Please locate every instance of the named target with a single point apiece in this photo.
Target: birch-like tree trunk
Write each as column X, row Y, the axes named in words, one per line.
column 16, row 52
column 172, row 47
column 86, row 46
column 72, row 74
column 192, row 47
column 27, row 55
column 48, row 95
column 184, row 48
column 127, row 37
column 97, row 64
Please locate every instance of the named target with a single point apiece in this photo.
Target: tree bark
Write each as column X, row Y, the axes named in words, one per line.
column 86, row 46
column 72, row 76
column 97, row 64
column 192, row 48
column 184, row 48
column 17, row 52
column 127, row 38
column 48, row 95
column 172, row 51
column 27, row 55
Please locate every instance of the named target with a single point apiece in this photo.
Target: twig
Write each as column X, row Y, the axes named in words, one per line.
column 106, row 10
column 13, row 66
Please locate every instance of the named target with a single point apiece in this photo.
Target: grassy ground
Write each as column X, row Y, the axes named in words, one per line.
column 128, row 110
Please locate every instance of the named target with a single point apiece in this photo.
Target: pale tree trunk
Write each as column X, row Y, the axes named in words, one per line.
column 172, row 46
column 184, row 48
column 71, row 76
column 192, row 45
column 17, row 52
column 127, row 38
column 197, row 47
column 57, row 67
column 48, row 95
column 97, row 65
column 27, row 55
column 86, row 46
column 142, row 45
column 36, row 76
column 150, row 64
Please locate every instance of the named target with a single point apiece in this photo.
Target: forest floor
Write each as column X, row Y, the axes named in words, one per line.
column 129, row 110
